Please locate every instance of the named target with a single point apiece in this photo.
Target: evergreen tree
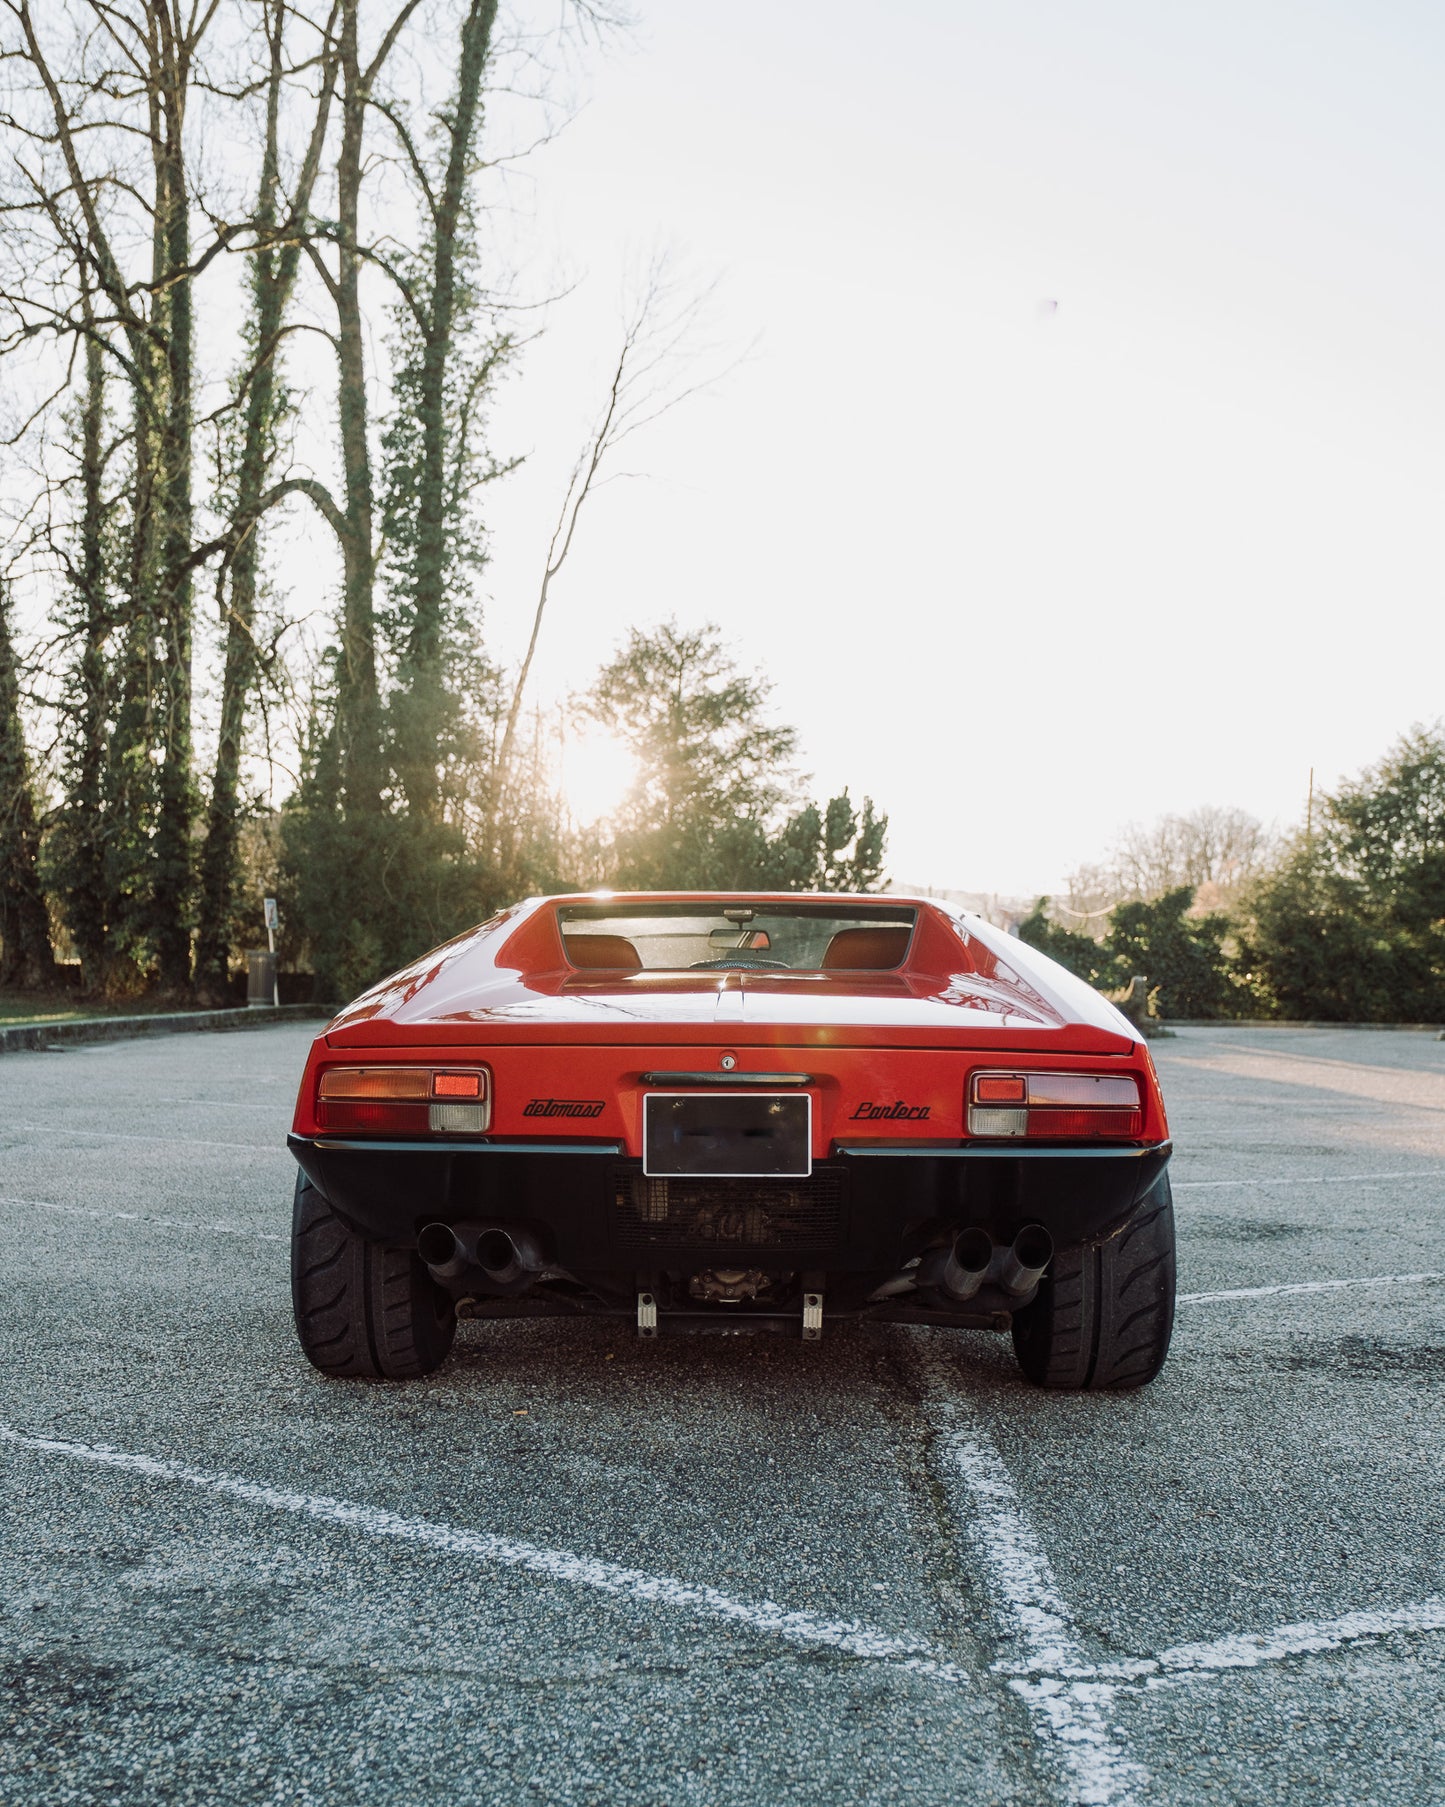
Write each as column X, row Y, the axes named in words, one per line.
column 25, row 952
column 1350, row 926
column 713, row 771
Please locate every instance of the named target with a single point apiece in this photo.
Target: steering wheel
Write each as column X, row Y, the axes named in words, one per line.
column 746, row 960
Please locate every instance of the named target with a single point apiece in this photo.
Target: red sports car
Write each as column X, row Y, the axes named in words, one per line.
column 715, row 1111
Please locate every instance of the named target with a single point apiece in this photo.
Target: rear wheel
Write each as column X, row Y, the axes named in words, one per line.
column 1103, row 1316
column 362, row 1309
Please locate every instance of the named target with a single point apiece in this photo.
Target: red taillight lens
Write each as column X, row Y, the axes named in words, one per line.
column 1064, row 1106
column 456, row 1085
column 412, row 1100
column 349, row 1113
column 1085, row 1124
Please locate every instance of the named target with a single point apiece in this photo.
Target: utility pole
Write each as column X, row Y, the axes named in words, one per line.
column 1310, row 809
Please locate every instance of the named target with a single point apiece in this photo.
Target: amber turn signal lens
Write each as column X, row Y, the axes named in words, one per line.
column 999, row 1088
column 376, row 1082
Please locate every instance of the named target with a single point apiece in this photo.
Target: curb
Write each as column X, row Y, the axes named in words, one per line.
column 1291, row 1022
column 38, row 1037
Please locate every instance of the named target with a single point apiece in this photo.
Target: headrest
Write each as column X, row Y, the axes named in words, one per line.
column 614, row 953
column 866, row 950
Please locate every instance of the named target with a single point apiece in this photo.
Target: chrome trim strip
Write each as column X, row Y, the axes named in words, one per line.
column 730, row 1079
column 996, row 1151
column 441, row 1145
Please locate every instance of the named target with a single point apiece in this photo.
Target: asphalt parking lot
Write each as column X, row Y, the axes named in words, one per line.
column 573, row 1567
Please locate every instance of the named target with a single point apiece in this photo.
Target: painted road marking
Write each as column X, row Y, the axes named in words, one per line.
column 1249, row 1650
column 1066, row 1700
column 849, row 1637
column 1306, row 1286
column 1066, row 1695
column 151, row 1223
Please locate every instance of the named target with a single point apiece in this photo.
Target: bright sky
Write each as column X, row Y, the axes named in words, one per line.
column 1023, row 574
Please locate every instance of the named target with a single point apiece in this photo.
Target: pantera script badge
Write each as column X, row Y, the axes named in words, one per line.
column 895, row 1113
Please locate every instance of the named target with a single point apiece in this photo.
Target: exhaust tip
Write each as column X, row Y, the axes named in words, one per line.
column 968, row 1262
column 496, row 1253
column 436, row 1243
column 973, row 1249
column 1023, row 1264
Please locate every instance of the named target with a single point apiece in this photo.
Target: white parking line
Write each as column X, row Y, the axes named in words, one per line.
column 1066, row 1698
column 151, row 1223
column 1306, row 1286
column 1249, row 1650
column 1327, row 1179
column 1066, row 1695
column 849, row 1637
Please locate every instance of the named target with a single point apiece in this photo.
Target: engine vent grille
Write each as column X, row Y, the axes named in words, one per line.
column 725, row 1213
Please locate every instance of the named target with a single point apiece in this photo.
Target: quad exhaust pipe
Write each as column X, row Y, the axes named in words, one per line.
column 973, row 1260
column 505, row 1255
column 967, row 1263
column 1021, row 1266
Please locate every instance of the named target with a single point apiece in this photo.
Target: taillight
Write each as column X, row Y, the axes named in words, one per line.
column 1074, row 1106
column 447, row 1101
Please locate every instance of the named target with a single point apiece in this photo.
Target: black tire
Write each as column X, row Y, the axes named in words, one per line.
column 1103, row 1316
column 362, row 1310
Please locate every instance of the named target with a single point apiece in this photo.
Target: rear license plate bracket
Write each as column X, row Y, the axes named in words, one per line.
column 737, row 1135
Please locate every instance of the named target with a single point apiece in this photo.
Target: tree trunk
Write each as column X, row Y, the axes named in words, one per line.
column 172, row 871
column 358, row 701
column 130, row 774
column 25, row 953
column 86, row 895
column 273, row 279
column 436, row 523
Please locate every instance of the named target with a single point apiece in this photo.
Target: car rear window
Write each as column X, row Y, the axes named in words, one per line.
column 760, row 937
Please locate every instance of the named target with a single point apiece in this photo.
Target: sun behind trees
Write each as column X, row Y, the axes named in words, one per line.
column 243, row 308
column 716, row 804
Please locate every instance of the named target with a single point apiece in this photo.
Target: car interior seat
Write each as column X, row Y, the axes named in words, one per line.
column 867, row 950
column 603, row 953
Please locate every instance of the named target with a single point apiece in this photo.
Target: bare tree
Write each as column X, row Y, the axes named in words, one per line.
column 127, row 77
column 648, row 380
column 431, row 440
column 274, row 265
column 1215, row 851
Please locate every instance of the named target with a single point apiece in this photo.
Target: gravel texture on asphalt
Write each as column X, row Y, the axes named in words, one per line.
column 573, row 1567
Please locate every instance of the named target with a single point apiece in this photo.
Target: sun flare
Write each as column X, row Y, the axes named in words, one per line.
column 596, row 772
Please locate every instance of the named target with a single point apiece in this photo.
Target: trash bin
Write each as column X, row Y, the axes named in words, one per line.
column 260, row 976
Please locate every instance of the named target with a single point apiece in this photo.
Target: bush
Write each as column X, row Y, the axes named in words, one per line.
column 1350, row 926
column 1186, row 959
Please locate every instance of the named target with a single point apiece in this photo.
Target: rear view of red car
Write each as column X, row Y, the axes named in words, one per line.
column 734, row 1111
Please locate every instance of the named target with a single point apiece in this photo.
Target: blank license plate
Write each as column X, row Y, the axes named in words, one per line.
column 746, row 1134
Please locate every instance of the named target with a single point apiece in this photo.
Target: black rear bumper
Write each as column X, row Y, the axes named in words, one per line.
column 863, row 1212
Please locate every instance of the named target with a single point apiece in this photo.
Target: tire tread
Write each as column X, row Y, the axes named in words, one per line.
column 363, row 1310
column 1104, row 1315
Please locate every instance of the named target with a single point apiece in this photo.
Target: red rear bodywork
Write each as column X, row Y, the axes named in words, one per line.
column 888, row 1055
